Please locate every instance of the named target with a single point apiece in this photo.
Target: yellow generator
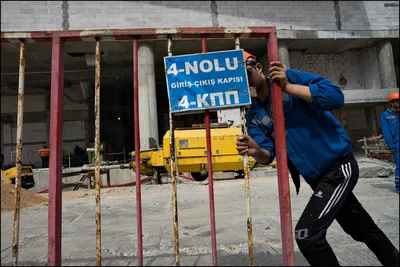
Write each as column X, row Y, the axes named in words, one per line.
column 191, row 153
column 27, row 180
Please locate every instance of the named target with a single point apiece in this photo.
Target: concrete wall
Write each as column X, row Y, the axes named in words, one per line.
column 290, row 15
column 361, row 15
column 37, row 125
column 359, row 68
column 34, row 131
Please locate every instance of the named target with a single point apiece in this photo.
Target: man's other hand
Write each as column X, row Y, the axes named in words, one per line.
column 246, row 144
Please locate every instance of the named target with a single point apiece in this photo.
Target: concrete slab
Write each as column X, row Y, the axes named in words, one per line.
column 117, row 176
column 344, row 34
column 119, row 238
column 367, row 95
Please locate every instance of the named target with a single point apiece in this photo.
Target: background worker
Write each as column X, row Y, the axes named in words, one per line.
column 44, row 155
column 79, row 154
column 319, row 149
column 390, row 128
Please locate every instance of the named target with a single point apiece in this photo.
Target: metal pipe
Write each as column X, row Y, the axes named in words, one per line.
column 173, row 175
column 281, row 158
column 109, row 167
column 210, row 173
column 97, row 152
column 56, row 145
column 137, row 151
column 18, row 165
column 371, row 138
column 114, row 153
column 246, row 170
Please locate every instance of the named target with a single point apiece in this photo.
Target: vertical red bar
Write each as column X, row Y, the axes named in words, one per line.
column 281, row 158
column 210, row 174
column 137, row 152
column 56, row 145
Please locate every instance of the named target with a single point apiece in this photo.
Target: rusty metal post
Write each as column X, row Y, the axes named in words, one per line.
column 137, row 152
column 281, row 158
column 56, row 146
column 246, row 170
column 97, row 151
column 210, row 174
column 18, row 165
column 173, row 175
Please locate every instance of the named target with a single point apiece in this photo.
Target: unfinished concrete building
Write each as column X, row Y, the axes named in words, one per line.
column 353, row 43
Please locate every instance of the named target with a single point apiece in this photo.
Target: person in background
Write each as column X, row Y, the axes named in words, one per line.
column 390, row 128
column 44, row 155
column 79, row 154
column 318, row 149
column 1, row 160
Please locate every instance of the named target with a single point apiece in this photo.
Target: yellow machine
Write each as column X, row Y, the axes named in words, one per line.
column 27, row 180
column 191, row 153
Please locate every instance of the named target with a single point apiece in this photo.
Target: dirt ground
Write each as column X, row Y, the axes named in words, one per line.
column 119, row 228
column 28, row 199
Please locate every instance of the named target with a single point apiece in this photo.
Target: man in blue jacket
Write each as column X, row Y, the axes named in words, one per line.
column 318, row 149
column 390, row 128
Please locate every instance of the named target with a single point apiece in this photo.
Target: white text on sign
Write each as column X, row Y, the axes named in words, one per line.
column 208, row 82
column 205, row 66
column 207, row 100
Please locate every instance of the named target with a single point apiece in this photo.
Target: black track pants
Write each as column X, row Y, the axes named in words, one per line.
column 333, row 199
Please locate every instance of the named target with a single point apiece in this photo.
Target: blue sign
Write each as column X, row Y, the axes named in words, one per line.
column 214, row 80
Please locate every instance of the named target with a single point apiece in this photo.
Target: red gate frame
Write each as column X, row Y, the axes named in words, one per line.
column 58, row 38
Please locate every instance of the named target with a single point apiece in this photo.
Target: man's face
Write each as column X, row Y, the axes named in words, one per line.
column 255, row 74
column 395, row 103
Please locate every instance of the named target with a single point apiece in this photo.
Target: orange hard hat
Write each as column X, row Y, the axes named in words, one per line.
column 392, row 96
column 247, row 55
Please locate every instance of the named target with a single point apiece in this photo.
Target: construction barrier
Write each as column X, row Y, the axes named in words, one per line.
column 58, row 39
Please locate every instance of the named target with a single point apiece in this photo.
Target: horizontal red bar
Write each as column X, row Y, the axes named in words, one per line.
column 145, row 33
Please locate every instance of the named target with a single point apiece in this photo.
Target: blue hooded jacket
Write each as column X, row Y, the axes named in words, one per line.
column 315, row 140
column 390, row 127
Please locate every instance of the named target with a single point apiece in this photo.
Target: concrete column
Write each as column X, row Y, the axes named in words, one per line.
column 148, row 121
column 371, row 120
column 283, row 51
column 386, row 64
column 283, row 56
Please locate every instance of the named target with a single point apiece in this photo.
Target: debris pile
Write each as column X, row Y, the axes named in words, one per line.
column 27, row 198
column 374, row 168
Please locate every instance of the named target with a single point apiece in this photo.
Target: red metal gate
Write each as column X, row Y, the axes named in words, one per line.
column 58, row 38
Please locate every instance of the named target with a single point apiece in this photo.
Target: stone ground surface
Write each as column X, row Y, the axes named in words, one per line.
column 119, row 239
